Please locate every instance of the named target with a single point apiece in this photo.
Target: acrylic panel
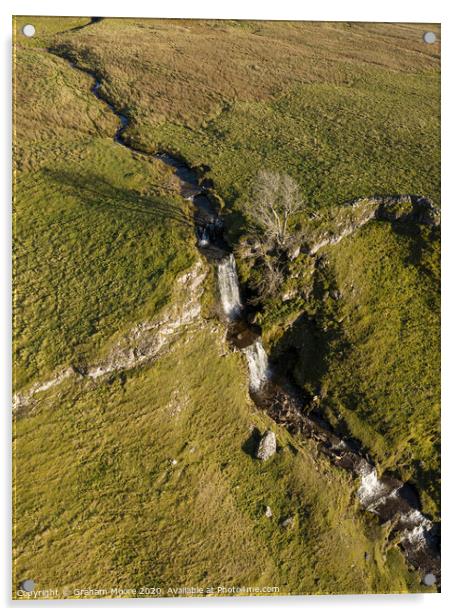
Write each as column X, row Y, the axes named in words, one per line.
column 226, row 308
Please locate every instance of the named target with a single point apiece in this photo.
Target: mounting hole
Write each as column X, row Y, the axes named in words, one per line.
column 28, row 30
column 28, row 585
column 429, row 37
column 429, row 579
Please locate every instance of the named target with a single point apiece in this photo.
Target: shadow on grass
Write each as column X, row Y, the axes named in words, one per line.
column 304, row 350
column 420, row 243
column 93, row 20
column 251, row 444
column 96, row 192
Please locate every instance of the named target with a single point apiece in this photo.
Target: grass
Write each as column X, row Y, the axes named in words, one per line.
column 367, row 341
column 112, row 510
column 100, row 235
column 389, row 380
column 347, row 109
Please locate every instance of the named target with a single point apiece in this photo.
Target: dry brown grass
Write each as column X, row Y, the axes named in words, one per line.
column 185, row 70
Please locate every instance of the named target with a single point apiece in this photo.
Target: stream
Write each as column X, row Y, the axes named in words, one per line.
column 394, row 502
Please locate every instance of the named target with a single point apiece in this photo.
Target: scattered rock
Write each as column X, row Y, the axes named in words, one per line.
column 267, row 446
column 294, row 252
column 288, row 522
column 252, row 318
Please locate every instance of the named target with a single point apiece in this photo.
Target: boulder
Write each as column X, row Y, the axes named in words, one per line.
column 267, row 446
column 288, row 523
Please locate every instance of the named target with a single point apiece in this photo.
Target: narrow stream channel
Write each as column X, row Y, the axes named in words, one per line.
column 393, row 501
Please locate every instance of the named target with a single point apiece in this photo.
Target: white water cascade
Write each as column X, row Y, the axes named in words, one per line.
column 371, row 490
column 229, row 287
column 231, row 302
column 257, row 364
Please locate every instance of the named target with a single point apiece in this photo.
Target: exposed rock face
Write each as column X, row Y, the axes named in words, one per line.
column 143, row 342
column 333, row 232
column 22, row 399
column 267, row 446
column 408, row 208
column 146, row 340
column 342, row 222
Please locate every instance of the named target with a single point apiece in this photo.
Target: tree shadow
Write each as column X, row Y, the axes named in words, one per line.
column 93, row 20
column 97, row 193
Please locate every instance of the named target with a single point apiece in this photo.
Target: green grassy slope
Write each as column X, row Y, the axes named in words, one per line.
column 100, row 235
column 348, row 110
column 100, row 503
column 389, row 380
column 367, row 343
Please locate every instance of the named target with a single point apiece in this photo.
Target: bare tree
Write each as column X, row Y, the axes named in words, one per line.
column 275, row 201
column 267, row 285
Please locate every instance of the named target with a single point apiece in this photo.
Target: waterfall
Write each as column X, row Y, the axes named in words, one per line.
column 371, row 490
column 203, row 236
column 228, row 287
column 257, row 364
column 231, row 303
column 374, row 494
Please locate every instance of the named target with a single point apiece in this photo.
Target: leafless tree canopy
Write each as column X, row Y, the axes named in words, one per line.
column 269, row 283
column 275, row 201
